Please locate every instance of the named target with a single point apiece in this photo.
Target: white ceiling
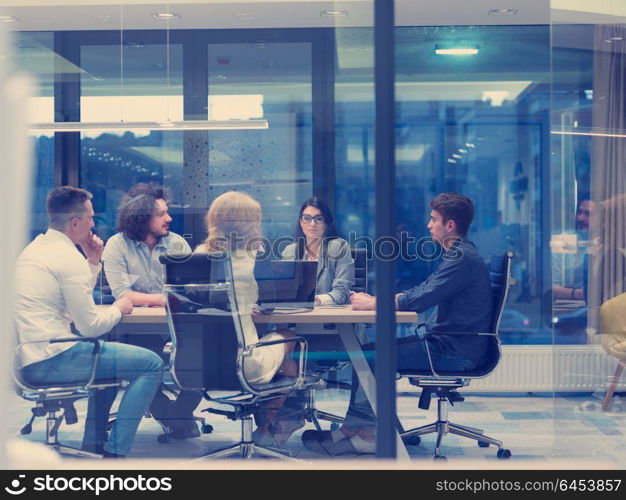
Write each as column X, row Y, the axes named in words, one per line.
column 45, row 15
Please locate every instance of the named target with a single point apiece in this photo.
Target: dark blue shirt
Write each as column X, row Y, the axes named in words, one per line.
column 461, row 292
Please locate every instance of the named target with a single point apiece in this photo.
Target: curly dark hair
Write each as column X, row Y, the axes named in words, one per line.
column 137, row 207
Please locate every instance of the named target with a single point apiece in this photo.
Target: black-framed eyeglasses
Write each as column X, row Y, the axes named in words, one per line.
column 318, row 219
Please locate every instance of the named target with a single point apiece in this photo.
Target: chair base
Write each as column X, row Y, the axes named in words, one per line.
column 443, row 426
column 246, row 448
column 313, row 415
column 73, row 452
column 53, row 421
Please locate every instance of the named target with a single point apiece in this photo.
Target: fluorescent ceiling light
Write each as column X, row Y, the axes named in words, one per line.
column 235, row 107
column 165, row 125
column 245, row 16
column 8, row 19
column 590, row 134
column 333, row 13
column 165, row 16
column 456, row 51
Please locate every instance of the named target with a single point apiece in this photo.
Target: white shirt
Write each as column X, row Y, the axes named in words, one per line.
column 131, row 266
column 53, row 286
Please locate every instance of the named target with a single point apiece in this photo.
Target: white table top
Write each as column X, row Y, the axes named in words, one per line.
column 318, row 315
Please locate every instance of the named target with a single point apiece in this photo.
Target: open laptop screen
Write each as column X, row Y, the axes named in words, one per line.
column 286, row 284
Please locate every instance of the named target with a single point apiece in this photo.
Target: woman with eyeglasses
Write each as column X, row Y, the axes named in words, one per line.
column 317, row 240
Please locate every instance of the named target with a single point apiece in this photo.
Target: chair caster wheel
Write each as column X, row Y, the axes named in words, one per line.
column 412, row 440
column 206, row 428
column 483, row 444
column 504, row 454
column 334, row 426
column 27, row 429
column 440, row 458
column 163, row 439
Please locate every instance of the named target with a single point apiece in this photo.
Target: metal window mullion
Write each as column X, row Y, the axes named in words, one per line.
column 386, row 446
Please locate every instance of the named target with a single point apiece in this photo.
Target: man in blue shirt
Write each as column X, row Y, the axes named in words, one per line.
column 461, row 293
column 133, row 270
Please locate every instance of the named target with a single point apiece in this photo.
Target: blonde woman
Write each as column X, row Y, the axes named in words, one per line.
column 234, row 225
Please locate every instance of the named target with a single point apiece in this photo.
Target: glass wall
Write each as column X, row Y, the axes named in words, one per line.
column 587, row 168
column 34, row 54
column 521, row 114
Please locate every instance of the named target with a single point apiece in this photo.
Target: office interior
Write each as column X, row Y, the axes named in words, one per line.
column 277, row 100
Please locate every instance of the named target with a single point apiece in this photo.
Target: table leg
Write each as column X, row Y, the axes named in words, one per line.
column 366, row 377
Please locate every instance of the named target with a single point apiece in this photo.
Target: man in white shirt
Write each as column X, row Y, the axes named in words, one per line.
column 53, row 287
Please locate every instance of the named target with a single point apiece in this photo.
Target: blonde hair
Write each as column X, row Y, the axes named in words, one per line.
column 233, row 222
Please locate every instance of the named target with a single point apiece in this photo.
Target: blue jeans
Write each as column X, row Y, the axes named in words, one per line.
column 143, row 369
column 411, row 355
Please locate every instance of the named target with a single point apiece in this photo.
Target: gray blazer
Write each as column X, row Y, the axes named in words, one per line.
column 335, row 271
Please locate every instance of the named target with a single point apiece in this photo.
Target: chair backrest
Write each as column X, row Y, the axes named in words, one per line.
column 360, row 269
column 205, row 326
column 500, row 278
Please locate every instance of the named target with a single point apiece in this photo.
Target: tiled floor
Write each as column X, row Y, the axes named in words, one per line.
column 534, row 428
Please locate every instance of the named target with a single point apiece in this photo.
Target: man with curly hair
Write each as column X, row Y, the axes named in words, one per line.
column 133, row 270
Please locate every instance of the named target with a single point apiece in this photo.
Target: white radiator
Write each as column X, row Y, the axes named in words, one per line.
column 546, row 368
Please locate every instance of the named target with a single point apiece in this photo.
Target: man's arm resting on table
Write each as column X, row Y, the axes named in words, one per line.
column 366, row 302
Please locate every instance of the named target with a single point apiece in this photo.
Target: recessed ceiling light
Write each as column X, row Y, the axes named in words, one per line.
column 166, row 16
column 333, row 13
column 616, row 38
column 502, row 12
column 467, row 50
column 245, row 16
column 8, row 19
column 103, row 18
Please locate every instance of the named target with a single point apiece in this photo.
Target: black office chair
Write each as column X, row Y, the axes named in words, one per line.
column 360, row 269
column 50, row 399
column 445, row 384
column 209, row 351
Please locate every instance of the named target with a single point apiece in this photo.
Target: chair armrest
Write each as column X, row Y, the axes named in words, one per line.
column 301, row 355
column 274, row 342
column 434, row 334
column 95, row 353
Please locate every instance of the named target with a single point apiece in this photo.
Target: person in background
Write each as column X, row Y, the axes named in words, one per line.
column 568, row 270
column 317, row 240
column 133, row 270
column 53, row 283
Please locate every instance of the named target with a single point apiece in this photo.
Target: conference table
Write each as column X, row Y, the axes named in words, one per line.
column 323, row 320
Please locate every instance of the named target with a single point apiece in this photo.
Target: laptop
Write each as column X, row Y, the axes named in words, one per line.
column 191, row 269
column 286, row 285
